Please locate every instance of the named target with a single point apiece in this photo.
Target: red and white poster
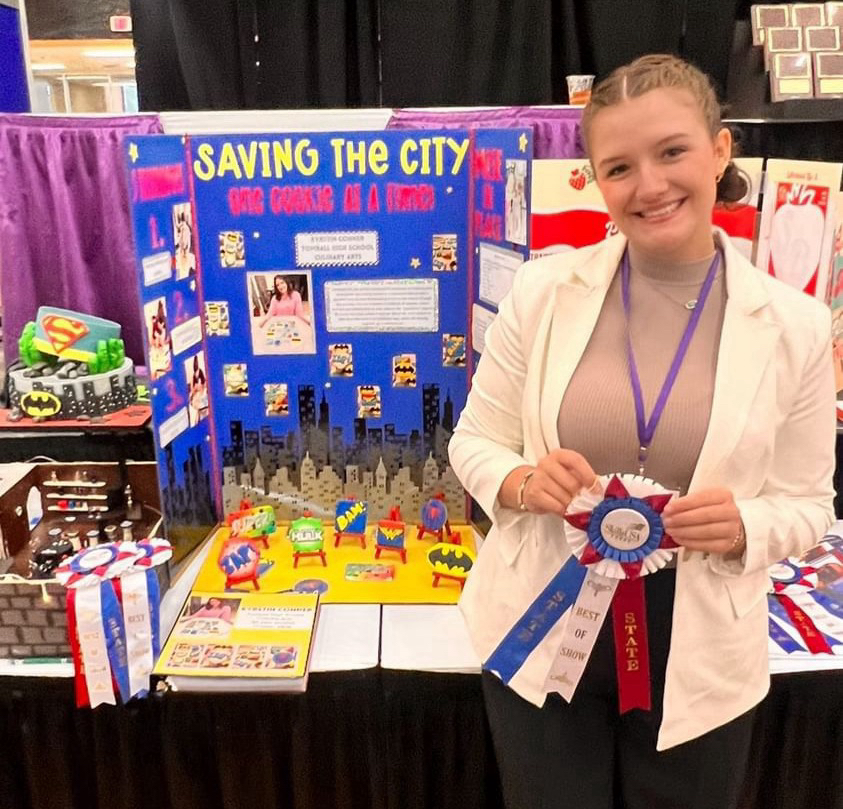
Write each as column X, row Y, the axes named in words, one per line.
column 798, row 222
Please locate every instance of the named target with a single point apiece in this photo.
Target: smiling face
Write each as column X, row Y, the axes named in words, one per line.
column 280, row 285
column 656, row 164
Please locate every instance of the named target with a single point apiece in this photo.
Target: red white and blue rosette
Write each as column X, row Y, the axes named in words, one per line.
column 789, row 577
column 141, row 600
column 619, row 534
column 795, row 602
column 616, row 536
column 95, row 622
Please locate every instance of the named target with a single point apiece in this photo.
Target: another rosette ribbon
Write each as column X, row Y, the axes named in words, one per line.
column 794, row 601
column 95, row 622
column 616, row 537
column 141, row 600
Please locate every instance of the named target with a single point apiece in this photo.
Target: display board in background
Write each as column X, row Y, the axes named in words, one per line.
column 798, row 220
column 334, row 278
column 500, row 220
column 168, row 269
column 14, row 93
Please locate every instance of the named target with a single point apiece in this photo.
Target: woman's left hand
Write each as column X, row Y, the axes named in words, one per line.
column 707, row 521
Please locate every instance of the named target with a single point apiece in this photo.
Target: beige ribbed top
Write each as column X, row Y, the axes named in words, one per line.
column 597, row 415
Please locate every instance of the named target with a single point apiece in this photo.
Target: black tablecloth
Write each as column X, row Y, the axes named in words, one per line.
column 373, row 739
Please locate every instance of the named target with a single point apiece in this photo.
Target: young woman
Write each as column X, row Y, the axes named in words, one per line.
column 746, row 436
column 284, row 301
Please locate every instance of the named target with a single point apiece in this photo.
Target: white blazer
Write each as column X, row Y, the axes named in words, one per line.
column 770, row 440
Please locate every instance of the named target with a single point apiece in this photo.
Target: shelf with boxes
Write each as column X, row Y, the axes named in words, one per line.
column 802, row 49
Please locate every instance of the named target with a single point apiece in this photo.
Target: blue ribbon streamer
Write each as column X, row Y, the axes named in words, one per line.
column 531, row 629
column 782, row 638
column 115, row 638
column 154, row 594
column 832, row 607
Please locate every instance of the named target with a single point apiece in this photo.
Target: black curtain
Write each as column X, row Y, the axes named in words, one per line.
column 235, row 54
column 243, row 54
column 317, row 53
column 464, row 52
column 194, row 55
column 503, row 52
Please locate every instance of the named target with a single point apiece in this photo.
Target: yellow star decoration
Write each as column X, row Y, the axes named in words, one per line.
column 415, row 263
column 133, row 151
column 522, row 142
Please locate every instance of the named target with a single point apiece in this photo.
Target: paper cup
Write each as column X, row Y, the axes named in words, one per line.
column 579, row 90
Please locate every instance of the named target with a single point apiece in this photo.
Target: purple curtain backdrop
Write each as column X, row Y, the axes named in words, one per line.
column 556, row 132
column 65, row 231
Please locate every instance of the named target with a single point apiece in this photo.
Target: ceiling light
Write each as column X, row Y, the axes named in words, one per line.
column 48, row 66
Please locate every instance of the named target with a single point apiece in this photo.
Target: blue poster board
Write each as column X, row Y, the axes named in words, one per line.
column 14, row 93
column 502, row 174
column 168, row 268
column 335, row 280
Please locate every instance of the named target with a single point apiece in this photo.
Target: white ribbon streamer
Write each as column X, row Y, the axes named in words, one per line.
column 138, row 630
column 92, row 643
column 581, row 630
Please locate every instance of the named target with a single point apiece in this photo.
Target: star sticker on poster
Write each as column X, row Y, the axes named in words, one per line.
column 522, row 142
column 415, row 263
column 133, row 152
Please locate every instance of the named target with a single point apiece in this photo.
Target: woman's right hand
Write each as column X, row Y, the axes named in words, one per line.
column 556, row 480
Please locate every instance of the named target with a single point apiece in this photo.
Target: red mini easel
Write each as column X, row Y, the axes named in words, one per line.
column 394, row 521
column 449, row 536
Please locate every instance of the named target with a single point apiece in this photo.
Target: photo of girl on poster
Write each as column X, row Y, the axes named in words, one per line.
column 281, row 313
column 158, row 338
column 197, row 386
column 184, row 255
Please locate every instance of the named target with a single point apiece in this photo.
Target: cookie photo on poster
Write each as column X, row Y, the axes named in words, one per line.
column 404, row 371
column 368, row 401
column 236, row 379
column 276, row 399
column 232, row 248
column 186, row 655
column 515, row 202
column 281, row 312
column 340, row 359
column 158, row 338
column 444, row 252
column 217, row 319
column 453, row 350
column 197, row 388
column 184, row 254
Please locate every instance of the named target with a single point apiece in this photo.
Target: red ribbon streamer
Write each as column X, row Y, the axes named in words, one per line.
column 632, row 652
column 80, row 687
column 814, row 640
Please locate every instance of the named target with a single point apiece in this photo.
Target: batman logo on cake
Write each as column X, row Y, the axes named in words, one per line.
column 450, row 559
column 40, row 404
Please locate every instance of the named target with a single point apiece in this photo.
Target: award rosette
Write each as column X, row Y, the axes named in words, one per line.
column 616, row 537
column 95, row 622
column 140, row 598
column 794, row 601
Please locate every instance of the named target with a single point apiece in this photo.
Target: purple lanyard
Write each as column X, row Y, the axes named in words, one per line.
column 648, row 428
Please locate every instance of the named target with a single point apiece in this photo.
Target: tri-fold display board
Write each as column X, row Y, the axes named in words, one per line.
column 307, row 303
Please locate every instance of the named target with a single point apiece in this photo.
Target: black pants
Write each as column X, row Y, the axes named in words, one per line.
column 585, row 755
